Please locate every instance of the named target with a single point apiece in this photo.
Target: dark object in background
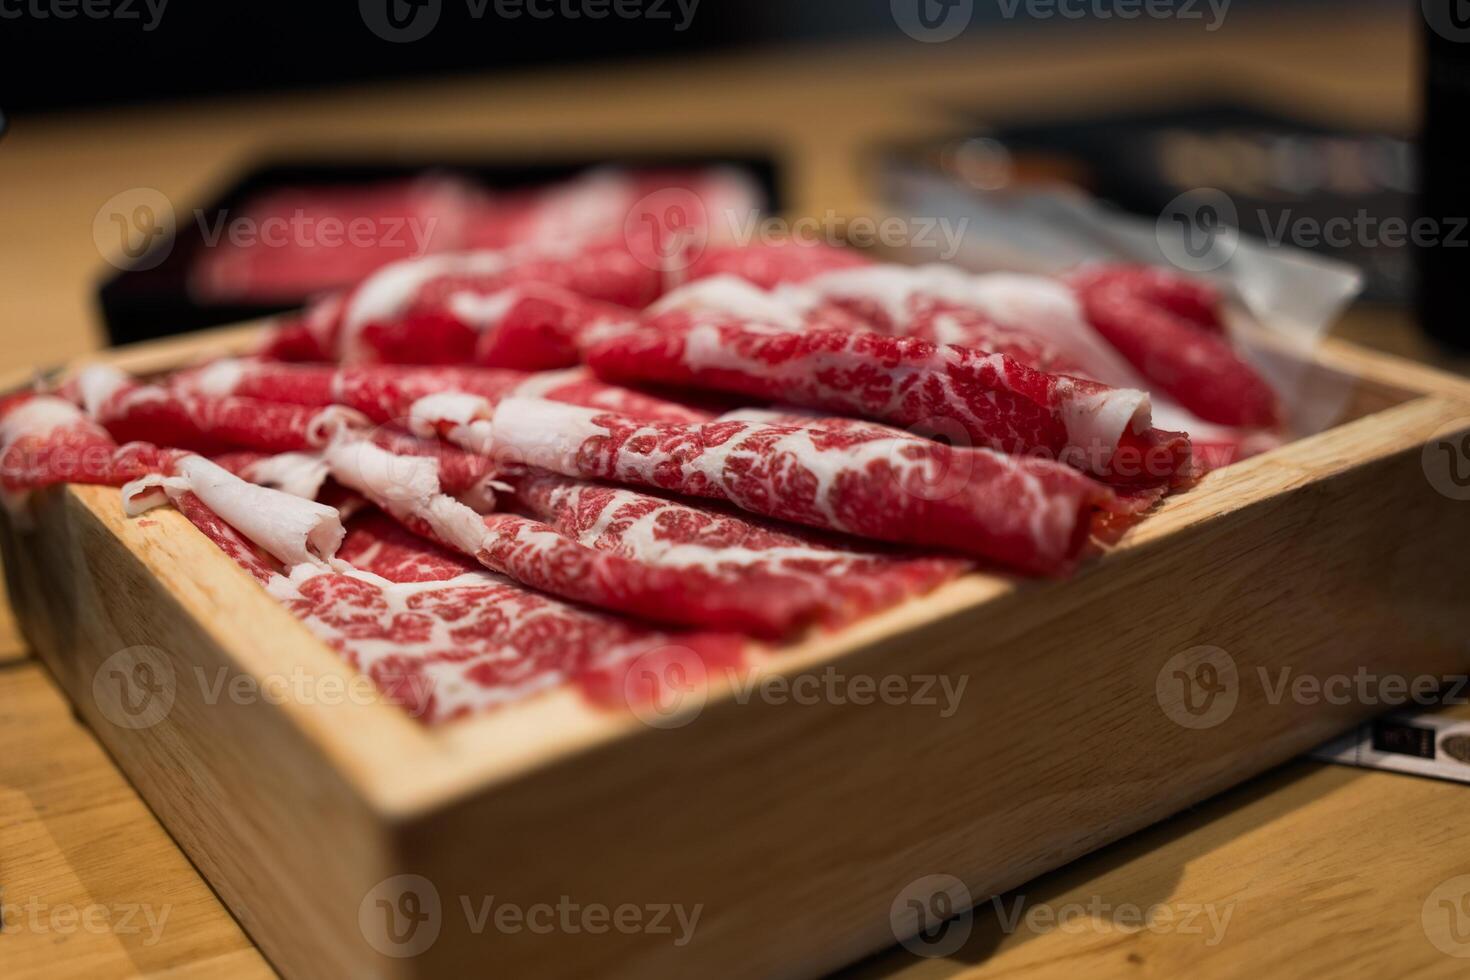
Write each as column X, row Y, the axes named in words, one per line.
column 1287, row 181
column 150, row 50
column 1444, row 198
column 155, row 299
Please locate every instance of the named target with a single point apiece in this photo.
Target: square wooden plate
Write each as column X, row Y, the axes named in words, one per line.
column 350, row 840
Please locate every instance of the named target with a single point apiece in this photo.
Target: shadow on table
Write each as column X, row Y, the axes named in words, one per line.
column 1167, row 848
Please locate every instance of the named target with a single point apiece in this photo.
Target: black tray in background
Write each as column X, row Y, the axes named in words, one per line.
column 148, row 303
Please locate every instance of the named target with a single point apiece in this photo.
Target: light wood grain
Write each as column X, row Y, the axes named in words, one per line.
column 1314, row 869
column 75, row 839
column 258, row 797
column 13, row 646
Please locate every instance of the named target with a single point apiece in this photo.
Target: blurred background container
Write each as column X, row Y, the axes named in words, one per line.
column 109, row 99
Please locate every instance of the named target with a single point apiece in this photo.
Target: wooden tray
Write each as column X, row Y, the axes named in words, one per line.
column 793, row 827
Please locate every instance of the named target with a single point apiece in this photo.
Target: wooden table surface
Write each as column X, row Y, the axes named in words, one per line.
column 1314, row 868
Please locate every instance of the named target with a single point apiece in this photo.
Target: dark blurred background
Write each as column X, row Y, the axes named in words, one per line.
column 57, row 54
column 1302, row 109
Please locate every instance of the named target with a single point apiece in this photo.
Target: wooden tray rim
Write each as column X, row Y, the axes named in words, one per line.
column 403, row 769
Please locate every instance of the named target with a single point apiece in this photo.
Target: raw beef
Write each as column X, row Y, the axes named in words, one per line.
column 469, row 535
column 132, row 411
column 641, row 555
column 435, row 634
column 989, row 399
column 293, row 242
column 1036, row 319
column 299, row 474
column 382, row 392
column 1195, row 300
column 530, row 327
column 388, row 392
column 443, row 638
column 1029, row 514
column 917, row 315
column 45, row 440
column 537, row 555
column 434, row 309
column 294, row 530
column 410, row 475
column 1175, row 340
column 805, row 575
column 768, row 265
column 290, row 243
column 447, row 639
